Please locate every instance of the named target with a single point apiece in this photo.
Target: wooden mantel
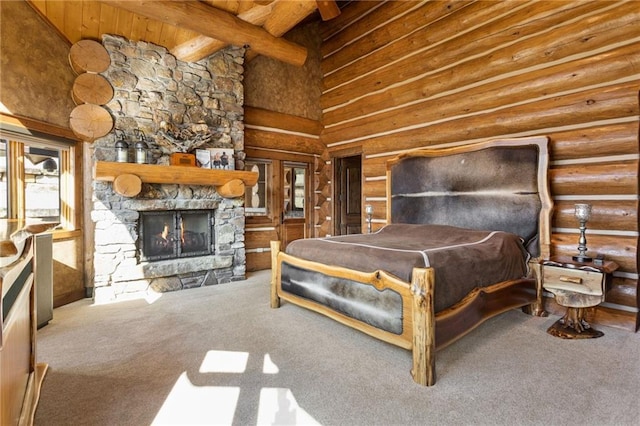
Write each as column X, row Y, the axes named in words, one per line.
column 128, row 177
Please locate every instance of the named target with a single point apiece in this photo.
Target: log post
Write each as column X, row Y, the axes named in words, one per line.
column 275, row 271
column 424, row 330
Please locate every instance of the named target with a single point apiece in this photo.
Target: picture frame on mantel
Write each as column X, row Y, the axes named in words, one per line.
column 203, row 158
column 222, row 158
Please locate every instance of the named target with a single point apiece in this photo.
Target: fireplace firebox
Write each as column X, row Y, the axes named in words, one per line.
column 175, row 234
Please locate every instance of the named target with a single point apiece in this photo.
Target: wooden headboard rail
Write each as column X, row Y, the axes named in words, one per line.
column 499, row 184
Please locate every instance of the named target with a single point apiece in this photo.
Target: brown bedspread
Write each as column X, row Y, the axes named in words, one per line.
column 463, row 259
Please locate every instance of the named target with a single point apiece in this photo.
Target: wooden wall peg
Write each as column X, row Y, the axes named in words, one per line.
column 233, row 188
column 127, row 185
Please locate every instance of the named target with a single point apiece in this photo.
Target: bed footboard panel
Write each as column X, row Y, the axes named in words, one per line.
column 375, row 303
column 379, row 308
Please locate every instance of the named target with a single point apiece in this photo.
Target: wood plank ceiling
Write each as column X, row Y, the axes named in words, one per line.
column 190, row 30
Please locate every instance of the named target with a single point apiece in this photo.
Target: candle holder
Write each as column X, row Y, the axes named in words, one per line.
column 369, row 211
column 582, row 213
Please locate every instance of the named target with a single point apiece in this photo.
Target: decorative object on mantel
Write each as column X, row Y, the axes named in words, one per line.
column 141, row 147
column 182, row 159
column 122, row 148
column 127, row 176
column 184, row 139
column 583, row 213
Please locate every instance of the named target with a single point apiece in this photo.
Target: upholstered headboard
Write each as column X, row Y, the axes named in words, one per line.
column 496, row 185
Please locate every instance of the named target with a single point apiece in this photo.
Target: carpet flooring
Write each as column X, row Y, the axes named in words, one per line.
column 220, row 355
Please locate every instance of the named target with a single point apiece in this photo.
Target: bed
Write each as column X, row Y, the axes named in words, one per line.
column 466, row 228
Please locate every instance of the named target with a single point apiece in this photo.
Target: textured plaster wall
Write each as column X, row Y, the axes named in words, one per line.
column 35, row 76
column 280, row 87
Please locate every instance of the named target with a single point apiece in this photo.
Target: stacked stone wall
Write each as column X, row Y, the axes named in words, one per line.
column 153, row 91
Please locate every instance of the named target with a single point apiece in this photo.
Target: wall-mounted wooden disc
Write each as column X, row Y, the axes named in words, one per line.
column 91, row 89
column 89, row 56
column 90, row 122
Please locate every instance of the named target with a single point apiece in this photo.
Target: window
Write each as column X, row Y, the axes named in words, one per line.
column 294, row 191
column 36, row 180
column 42, row 184
column 256, row 198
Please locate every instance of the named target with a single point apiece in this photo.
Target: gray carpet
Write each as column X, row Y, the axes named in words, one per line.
column 221, row 355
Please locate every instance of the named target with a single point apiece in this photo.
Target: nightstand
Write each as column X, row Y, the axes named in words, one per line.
column 577, row 286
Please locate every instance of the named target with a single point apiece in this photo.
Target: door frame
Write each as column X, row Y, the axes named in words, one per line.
column 336, row 159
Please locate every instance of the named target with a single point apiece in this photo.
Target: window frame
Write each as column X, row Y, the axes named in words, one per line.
column 16, row 182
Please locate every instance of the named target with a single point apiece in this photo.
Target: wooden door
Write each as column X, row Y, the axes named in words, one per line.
column 349, row 195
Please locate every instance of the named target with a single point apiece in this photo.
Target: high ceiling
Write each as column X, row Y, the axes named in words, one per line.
column 191, row 30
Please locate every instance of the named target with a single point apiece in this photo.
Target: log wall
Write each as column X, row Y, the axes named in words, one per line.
column 405, row 75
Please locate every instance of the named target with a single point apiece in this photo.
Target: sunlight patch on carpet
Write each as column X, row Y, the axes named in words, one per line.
column 190, row 404
column 224, row 362
column 279, row 407
column 268, row 366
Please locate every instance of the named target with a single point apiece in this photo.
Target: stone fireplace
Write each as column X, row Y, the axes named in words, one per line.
column 175, row 234
column 169, row 236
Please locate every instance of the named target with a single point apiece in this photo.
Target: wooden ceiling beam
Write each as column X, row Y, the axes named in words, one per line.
column 201, row 46
column 328, row 9
column 216, row 24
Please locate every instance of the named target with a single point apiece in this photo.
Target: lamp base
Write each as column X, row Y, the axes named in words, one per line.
column 581, row 258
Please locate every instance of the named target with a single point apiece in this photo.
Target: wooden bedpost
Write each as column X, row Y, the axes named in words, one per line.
column 424, row 330
column 275, row 270
column 537, row 308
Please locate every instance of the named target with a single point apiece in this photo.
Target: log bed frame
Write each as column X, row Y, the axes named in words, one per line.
column 424, row 330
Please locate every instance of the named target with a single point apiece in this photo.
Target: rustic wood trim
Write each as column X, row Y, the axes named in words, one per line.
column 199, row 47
column 39, row 126
column 388, row 11
column 621, row 249
column 357, row 10
column 258, row 153
column 85, row 188
column 152, row 173
column 16, row 188
column 284, row 142
column 275, row 274
column 276, row 120
column 404, row 24
column 424, row 327
column 197, row 17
